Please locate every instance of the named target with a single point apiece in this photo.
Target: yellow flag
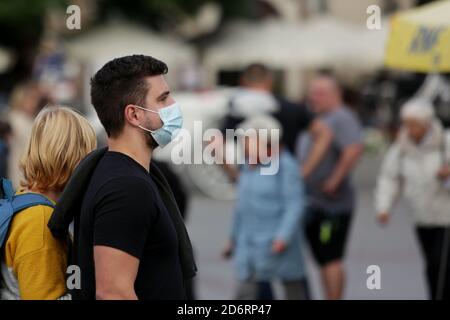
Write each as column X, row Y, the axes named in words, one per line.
column 420, row 39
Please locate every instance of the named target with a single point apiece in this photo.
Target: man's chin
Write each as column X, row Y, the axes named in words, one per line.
column 151, row 143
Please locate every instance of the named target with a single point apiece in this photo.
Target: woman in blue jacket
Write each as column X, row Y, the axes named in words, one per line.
column 266, row 238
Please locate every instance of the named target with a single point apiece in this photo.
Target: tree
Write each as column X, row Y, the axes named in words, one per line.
column 21, row 24
column 166, row 14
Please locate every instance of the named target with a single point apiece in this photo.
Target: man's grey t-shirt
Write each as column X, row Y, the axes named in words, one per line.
column 346, row 130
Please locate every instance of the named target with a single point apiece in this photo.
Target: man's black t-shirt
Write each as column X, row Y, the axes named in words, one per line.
column 122, row 209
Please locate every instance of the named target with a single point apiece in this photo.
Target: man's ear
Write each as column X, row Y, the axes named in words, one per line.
column 131, row 115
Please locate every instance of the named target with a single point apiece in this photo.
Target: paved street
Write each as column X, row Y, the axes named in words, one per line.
column 393, row 248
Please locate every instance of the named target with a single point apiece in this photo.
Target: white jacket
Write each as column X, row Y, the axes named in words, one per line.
column 411, row 170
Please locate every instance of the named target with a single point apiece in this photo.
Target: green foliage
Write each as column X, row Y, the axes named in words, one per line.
column 159, row 13
column 22, row 20
column 20, row 12
column 26, row 16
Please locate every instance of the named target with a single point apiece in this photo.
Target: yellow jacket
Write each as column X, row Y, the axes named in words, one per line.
column 34, row 263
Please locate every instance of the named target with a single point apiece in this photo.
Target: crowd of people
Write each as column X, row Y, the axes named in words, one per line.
column 112, row 212
column 312, row 197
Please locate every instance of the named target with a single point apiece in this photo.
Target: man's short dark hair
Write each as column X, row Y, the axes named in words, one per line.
column 255, row 73
column 121, row 82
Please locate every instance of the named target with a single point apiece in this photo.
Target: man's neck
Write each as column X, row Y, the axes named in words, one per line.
column 141, row 153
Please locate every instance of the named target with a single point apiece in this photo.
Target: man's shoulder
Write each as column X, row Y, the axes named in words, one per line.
column 118, row 182
column 132, row 192
column 116, row 169
column 127, row 184
column 343, row 116
column 346, row 113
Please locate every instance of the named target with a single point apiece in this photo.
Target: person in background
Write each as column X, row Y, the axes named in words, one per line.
column 34, row 263
column 25, row 102
column 331, row 198
column 417, row 166
column 5, row 135
column 266, row 238
column 255, row 97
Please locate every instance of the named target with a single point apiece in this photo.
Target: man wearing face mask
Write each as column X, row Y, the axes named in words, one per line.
column 130, row 241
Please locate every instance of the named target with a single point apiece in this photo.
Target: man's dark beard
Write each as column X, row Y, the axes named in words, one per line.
column 151, row 143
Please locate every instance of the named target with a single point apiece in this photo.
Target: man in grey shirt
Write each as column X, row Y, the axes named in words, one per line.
column 330, row 192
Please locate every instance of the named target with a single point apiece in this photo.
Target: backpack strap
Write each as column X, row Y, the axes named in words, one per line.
column 6, row 189
column 24, row 201
column 8, row 208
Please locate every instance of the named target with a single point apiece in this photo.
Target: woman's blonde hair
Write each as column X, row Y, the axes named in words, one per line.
column 60, row 139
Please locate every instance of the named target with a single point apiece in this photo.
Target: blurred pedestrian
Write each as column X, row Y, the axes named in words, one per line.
column 266, row 238
column 417, row 166
column 255, row 97
column 5, row 136
column 25, row 103
column 34, row 263
column 330, row 193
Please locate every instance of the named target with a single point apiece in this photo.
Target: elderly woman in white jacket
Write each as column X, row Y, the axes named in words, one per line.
column 417, row 166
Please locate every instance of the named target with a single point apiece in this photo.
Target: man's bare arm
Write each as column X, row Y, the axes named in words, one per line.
column 348, row 159
column 321, row 136
column 115, row 274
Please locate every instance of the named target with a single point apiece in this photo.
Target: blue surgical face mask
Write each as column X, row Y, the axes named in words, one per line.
column 172, row 120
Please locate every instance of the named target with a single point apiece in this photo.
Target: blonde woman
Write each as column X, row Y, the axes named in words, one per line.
column 33, row 261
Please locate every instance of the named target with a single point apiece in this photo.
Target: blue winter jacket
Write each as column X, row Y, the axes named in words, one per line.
column 269, row 207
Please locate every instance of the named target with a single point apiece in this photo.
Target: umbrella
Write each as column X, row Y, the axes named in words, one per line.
column 420, row 39
column 118, row 39
column 321, row 42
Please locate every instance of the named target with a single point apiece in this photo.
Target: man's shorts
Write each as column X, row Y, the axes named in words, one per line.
column 327, row 234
